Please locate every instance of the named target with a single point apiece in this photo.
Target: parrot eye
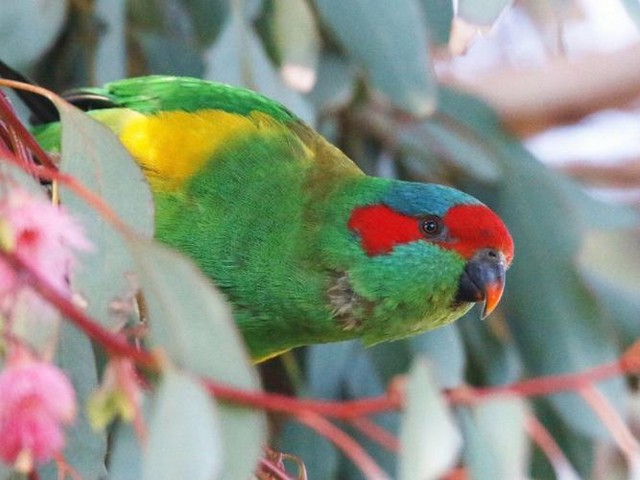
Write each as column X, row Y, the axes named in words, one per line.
column 431, row 226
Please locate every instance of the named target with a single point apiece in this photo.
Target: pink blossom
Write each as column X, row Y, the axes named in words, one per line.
column 42, row 235
column 36, row 400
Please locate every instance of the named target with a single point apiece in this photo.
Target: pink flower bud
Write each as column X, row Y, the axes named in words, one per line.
column 36, row 400
column 43, row 235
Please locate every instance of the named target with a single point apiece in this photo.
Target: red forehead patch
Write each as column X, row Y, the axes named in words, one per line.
column 473, row 227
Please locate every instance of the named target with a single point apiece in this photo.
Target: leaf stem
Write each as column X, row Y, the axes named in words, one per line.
column 375, row 432
column 114, row 344
column 14, row 123
column 543, row 439
column 623, row 437
column 345, row 443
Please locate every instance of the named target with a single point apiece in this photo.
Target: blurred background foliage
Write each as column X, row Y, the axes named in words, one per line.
column 530, row 105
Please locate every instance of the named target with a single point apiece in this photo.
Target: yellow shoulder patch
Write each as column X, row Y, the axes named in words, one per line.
column 173, row 146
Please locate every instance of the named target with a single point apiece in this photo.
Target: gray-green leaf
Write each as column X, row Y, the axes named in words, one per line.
column 192, row 324
column 389, row 39
column 184, row 436
column 93, row 155
column 429, row 439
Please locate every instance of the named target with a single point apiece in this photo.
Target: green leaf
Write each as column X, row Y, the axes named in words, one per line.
column 125, row 458
column 481, row 12
column 327, row 367
column 491, row 360
column 614, row 255
column 436, row 143
column 207, row 17
column 93, row 155
column 191, row 323
column 31, row 25
column 429, row 438
column 85, row 449
column 444, row 349
column 438, row 15
column 239, row 58
column 111, row 53
column 554, row 319
column 388, row 39
column 297, row 42
column 334, row 87
column 577, row 448
column 319, row 455
column 165, row 55
column 184, row 438
column 621, row 305
column 501, row 428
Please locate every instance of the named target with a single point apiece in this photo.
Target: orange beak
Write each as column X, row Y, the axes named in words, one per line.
column 492, row 295
column 483, row 280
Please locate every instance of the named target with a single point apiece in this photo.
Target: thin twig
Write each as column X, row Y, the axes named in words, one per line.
column 345, row 443
column 621, row 434
column 543, row 439
column 375, row 432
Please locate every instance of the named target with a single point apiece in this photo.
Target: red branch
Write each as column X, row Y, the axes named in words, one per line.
column 273, row 470
column 117, row 345
column 344, row 442
column 543, row 439
column 558, row 383
column 609, row 416
column 114, row 344
column 375, row 432
column 295, row 406
column 51, row 174
column 9, row 116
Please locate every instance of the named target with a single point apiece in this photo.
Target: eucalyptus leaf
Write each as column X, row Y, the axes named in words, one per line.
column 327, row 368
column 362, row 380
column 438, row 15
column 85, row 449
column 297, row 42
column 555, row 321
column 28, row 28
column 207, row 17
column 491, row 360
column 125, row 458
column 184, row 437
column 437, row 143
column 239, row 58
column 192, row 324
column 429, row 438
column 481, row 12
column 444, row 349
column 170, row 56
column 94, row 156
column 388, row 39
column 111, row 54
column 501, row 424
column 335, row 84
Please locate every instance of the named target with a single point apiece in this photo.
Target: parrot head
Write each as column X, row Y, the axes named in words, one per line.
column 422, row 255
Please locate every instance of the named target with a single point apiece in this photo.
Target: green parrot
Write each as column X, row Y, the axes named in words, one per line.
column 305, row 246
